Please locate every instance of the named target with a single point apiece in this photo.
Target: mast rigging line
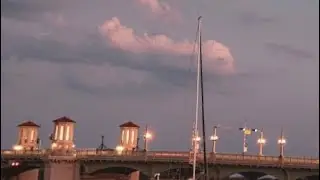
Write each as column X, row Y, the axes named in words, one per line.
column 195, row 126
column 202, row 105
column 190, row 67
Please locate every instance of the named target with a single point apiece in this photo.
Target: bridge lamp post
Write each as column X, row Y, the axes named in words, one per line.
column 261, row 141
column 282, row 141
column 17, row 147
column 147, row 136
column 246, row 132
column 53, row 145
column 214, row 138
column 119, row 149
column 197, row 139
column 196, row 145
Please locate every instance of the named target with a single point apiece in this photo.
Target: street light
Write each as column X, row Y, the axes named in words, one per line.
column 17, row 147
column 147, row 136
column 214, row 138
column 196, row 142
column 261, row 141
column 282, row 141
column 53, row 145
column 119, row 149
column 246, row 132
column 197, row 139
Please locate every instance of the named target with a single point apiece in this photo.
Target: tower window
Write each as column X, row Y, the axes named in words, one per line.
column 56, row 133
column 122, row 136
column 127, row 137
column 32, row 135
column 61, row 133
column 132, row 136
column 67, row 133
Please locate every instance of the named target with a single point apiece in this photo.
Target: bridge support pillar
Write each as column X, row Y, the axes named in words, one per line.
column 134, row 175
column 28, row 175
column 61, row 169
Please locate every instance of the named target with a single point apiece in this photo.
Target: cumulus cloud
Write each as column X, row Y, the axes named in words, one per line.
column 156, row 6
column 125, row 38
column 163, row 9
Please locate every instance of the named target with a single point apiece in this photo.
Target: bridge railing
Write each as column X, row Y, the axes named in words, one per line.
column 29, row 154
column 301, row 160
column 167, row 156
column 186, row 156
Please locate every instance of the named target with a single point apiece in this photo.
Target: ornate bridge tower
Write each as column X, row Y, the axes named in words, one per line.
column 129, row 134
column 27, row 136
column 62, row 164
column 63, row 134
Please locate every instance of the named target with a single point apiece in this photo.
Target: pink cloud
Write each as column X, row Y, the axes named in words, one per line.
column 156, row 6
column 125, row 38
column 162, row 9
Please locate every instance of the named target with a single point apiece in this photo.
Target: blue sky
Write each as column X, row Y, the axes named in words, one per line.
column 102, row 63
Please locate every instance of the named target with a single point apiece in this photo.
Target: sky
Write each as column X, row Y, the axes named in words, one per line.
column 105, row 62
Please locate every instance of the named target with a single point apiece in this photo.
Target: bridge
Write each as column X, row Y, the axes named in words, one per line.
column 62, row 161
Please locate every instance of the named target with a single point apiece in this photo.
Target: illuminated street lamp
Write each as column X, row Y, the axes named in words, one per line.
column 246, row 132
column 261, row 141
column 282, row 141
column 17, row 147
column 147, row 136
column 214, row 138
column 196, row 142
column 119, row 149
column 197, row 139
column 53, row 145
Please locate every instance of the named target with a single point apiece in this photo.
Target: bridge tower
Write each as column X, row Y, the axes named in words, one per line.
column 129, row 134
column 63, row 134
column 27, row 136
column 62, row 164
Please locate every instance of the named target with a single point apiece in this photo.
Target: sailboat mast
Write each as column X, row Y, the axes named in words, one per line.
column 202, row 107
column 195, row 131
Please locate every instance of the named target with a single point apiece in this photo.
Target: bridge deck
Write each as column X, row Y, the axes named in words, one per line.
column 163, row 156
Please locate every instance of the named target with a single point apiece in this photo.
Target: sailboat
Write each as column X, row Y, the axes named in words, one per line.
column 199, row 108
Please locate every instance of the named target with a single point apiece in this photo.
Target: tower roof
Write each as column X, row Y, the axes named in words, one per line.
column 64, row 119
column 28, row 124
column 129, row 124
